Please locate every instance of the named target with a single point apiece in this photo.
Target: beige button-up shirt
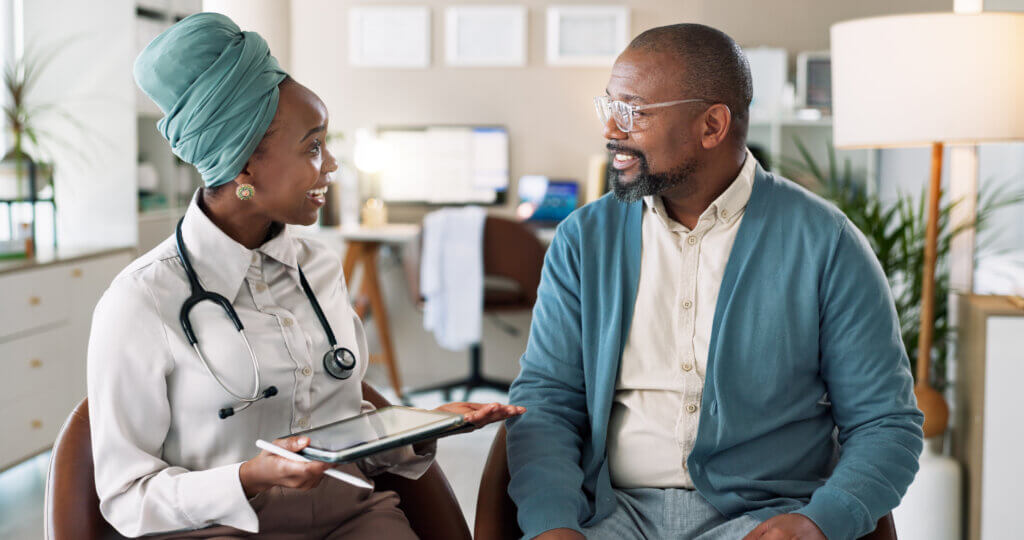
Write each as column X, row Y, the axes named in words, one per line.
column 655, row 413
column 164, row 460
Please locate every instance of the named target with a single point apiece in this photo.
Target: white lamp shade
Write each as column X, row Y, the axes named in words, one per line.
column 910, row 80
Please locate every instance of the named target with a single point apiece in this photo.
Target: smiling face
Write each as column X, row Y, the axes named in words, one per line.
column 291, row 168
column 665, row 148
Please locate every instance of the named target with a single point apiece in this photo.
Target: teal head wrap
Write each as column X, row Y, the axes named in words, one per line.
column 217, row 88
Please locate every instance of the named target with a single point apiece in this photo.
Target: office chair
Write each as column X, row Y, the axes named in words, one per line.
column 513, row 260
column 72, row 507
column 496, row 513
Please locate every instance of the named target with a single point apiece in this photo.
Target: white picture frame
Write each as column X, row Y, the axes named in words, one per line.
column 485, row 35
column 389, row 36
column 586, row 35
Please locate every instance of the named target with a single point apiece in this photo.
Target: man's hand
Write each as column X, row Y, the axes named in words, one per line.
column 786, row 527
column 560, row 534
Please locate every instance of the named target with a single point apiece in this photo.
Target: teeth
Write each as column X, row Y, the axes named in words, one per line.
column 317, row 192
column 623, row 157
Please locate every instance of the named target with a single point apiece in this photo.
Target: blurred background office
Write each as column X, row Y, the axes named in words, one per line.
column 442, row 105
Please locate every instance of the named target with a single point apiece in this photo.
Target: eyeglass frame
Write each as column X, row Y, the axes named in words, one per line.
column 634, row 108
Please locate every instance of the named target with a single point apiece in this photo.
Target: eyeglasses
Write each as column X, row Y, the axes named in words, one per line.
column 624, row 113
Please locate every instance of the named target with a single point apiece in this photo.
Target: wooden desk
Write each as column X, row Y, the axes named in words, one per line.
column 363, row 246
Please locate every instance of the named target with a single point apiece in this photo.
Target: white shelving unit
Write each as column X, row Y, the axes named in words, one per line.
column 176, row 180
column 777, row 136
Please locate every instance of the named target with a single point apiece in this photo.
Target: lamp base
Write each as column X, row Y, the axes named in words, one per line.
column 935, row 409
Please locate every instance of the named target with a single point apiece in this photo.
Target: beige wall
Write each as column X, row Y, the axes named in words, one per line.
column 271, row 18
column 547, row 110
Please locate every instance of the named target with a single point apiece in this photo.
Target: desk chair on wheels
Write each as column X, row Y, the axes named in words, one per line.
column 72, row 508
column 513, row 258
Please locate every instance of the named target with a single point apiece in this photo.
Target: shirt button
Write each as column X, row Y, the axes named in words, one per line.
column 691, row 240
column 307, row 371
column 303, row 423
column 260, row 287
column 725, row 213
column 255, row 258
column 687, row 366
column 691, row 408
column 687, row 304
column 288, row 322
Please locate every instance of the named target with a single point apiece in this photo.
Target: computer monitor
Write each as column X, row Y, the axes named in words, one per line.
column 445, row 164
column 545, row 201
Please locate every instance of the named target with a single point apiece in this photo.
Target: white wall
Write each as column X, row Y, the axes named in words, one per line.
column 91, row 77
column 271, row 18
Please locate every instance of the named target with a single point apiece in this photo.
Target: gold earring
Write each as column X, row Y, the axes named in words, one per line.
column 245, row 192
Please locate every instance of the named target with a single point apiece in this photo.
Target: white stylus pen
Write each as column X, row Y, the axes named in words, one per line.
column 333, row 473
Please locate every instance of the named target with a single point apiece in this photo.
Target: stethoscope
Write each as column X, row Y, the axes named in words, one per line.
column 339, row 362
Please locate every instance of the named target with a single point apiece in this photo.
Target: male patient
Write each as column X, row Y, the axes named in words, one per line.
column 714, row 352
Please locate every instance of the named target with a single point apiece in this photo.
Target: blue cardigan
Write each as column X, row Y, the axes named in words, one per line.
column 803, row 309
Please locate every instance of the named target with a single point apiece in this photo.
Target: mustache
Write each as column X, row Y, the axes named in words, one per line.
column 616, row 149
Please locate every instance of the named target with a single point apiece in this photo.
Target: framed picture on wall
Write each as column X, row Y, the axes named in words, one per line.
column 482, row 36
column 814, row 81
column 389, row 36
column 586, row 35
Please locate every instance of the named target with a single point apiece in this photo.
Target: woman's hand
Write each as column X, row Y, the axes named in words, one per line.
column 268, row 470
column 480, row 414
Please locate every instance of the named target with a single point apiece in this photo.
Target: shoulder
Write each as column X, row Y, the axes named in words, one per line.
column 134, row 285
column 598, row 218
column 800, row 205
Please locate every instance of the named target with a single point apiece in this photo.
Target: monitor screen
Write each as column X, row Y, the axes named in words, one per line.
column 445, row 164
column 546, row 201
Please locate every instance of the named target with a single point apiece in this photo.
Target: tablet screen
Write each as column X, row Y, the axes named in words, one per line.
column 374, row 426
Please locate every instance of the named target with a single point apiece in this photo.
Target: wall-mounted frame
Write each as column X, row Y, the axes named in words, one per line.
column 586, row 35
column 389, row 36
column 485, row 35
column 814, row 80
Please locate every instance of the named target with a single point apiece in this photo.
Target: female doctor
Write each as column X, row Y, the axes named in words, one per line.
column 178, row 395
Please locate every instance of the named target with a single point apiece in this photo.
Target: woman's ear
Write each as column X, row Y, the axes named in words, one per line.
column 247, row 175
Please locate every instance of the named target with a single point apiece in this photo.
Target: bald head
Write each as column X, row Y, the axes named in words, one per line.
column 710, row 65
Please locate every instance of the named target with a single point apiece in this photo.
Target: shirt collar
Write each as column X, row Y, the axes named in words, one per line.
column 726, row 208
column 220, row 262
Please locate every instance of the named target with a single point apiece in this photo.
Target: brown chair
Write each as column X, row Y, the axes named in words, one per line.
column 513, row 259
column 73, row 512
column 496, row 513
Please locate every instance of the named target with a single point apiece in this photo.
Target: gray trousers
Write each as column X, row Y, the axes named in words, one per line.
column 649, row 513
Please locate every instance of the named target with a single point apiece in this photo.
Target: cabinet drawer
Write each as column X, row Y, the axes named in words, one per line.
column 30, row 424
column 37, row 362
column 32, row 299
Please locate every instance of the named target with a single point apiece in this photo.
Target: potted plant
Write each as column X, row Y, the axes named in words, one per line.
column 895, row 229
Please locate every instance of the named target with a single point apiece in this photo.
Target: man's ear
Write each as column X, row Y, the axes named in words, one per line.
column 717, row 123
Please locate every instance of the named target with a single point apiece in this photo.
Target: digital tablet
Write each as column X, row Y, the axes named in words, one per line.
column 377, row 431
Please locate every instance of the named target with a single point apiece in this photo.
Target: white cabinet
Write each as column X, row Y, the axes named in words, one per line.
column 44, row 331
column 988, row 434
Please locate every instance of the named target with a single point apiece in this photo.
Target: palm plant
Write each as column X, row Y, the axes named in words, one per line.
column 26, row 119
column 895, row 229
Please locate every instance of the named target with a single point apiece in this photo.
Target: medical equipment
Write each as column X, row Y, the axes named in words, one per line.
column 339, row 362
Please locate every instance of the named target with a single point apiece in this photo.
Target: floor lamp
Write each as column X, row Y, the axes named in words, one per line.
column 928, row 79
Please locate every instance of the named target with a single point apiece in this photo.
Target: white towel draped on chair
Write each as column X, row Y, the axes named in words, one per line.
column 452, row 275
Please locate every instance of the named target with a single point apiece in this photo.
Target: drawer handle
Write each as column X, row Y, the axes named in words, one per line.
column 37, row 424
column 34, row 300
column 76, row 272
column 36, row 363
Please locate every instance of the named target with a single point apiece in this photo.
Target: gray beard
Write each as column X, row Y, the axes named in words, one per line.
column 647, row 183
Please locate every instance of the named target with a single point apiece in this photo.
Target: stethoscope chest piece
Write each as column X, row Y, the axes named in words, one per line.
column 339, row 363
